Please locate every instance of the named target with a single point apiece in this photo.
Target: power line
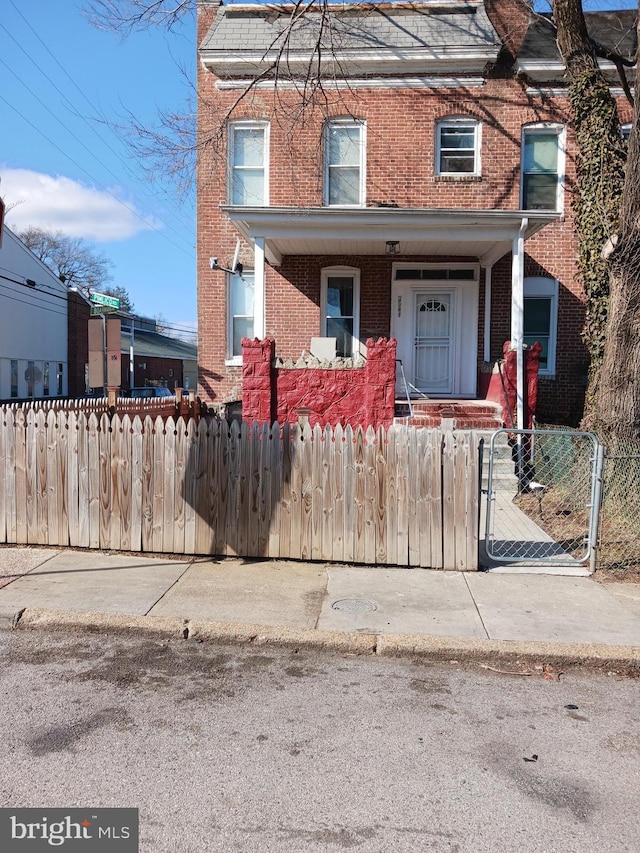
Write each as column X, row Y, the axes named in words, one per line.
column 74, row 110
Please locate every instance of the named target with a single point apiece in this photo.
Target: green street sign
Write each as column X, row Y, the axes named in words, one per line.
column 102, row 309
column 103, row 299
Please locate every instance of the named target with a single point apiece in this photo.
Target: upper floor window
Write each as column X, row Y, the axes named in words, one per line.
column 458, row 147
column 625, row 131
column 340, row 298
column 541, row 319
column 542, row 167
column 344, row 159
column 248, row 163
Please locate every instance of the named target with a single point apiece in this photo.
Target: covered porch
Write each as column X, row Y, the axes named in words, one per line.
column 441, row 260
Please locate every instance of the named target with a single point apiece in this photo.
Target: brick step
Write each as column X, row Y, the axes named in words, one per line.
column 452, row 410
column 482, row 422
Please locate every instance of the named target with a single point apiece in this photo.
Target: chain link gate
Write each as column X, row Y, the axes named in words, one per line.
column 543, row 497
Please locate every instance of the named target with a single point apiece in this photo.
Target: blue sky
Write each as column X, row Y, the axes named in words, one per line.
column 73, row 174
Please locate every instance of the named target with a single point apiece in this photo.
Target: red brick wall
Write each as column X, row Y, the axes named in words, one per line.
column 356, row 396
column 400, row 169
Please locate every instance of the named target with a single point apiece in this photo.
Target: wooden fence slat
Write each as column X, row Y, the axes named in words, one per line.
column 402, row 495
column 233, row 520
column 252, row 545
column 158, row 485
column 31, row 477
column 186, row 488
column 115, row 517
column 148, row 470
column 10, row 477
column 461, row 484
column 124, row 481
column 317, row 447
column 306, row 495
column 137, row 476
column 359, row 526
column 264, row 491
column 282, row 491
column 327, row 498
column 335, row 490
column 349, row 493
column 93, row 455
column 413, row 497
column 73, row 480
column 224, row 486
column 21, row 478
column 370, row 495
column 386, row 509
column 448, row 501
column 38, row 498
column 473, row 509
column 198, row 462
column 62, row 474
column 179, row 503
column 295, row 490
column 51, row 487
column 275, row 463
column 104, row 443
column 4, row 434
column 168, row 486
column 82, row 461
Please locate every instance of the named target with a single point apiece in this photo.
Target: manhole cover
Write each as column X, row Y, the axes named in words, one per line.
column 354, row 605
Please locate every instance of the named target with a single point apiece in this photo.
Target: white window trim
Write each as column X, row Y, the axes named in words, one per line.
column 345, row 122
column 561, row 131
column 235, row 360
column 354, row 272
column 548, row 288
column 246, row 124
column 625, row 130
column 477, row 145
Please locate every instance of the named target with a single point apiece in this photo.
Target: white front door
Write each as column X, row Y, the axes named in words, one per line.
column 434, row 318
column 433, row 342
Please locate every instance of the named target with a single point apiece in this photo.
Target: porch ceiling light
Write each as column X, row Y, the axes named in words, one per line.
column 392, row 247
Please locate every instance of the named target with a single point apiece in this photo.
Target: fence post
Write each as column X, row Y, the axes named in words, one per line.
column 596, row 507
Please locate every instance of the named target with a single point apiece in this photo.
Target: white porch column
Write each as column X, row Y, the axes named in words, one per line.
column 259, row 327
column 517, row 318
column 486, row 355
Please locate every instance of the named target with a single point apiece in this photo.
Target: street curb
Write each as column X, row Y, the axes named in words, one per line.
column 619, row 659
column 10, row 620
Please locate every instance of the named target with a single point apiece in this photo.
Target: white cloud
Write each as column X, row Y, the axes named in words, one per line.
column 62, row 204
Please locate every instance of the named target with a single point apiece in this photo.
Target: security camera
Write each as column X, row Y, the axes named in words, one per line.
column 213, row 263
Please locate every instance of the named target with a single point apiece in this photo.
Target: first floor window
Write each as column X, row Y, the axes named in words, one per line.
column 45, row 379
column 458, row 147
column 542, row 167
column 29, row 376
column 540, row 319
column 341, row 308
column 241, row 311
column 59, row 376
column 14, row 377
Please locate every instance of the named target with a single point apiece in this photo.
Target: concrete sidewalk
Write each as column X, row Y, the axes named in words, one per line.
column 392, row 611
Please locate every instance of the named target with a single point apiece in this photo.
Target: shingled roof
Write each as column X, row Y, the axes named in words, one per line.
column 613, row 30
column 243, row 38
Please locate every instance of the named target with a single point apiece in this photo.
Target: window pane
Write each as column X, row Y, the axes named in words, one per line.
column 540, row 192
column 457, row 163
column 340, row 297
column 248, row 187
column 242, row 328
column 342, row 330
column 537, row 316
column 344, row 146
column 461, row 136
column 242, row 290
column 544, row 352
column 14, row 377
column 45, row 379
column 344, row 186
column 248, row 147
column 541, row 152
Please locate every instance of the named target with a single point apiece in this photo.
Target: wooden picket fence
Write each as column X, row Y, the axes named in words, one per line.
column 402, row 496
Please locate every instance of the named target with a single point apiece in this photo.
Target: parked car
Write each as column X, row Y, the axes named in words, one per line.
column 150, row 391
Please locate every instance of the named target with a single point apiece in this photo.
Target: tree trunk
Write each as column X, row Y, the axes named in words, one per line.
column 600, row 176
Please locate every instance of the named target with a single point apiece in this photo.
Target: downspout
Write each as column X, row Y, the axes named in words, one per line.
column 517, row 318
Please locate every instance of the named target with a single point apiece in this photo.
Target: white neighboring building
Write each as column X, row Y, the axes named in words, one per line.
column 33, row 325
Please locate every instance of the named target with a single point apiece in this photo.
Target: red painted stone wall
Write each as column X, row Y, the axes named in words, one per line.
column 353, row 395
column 503, row 389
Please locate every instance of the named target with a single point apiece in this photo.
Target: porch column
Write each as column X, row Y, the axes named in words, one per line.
column 486, row 349
column 259, row 328
column 517, row 318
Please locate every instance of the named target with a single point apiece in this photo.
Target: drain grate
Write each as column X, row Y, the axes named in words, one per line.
column 354, row 605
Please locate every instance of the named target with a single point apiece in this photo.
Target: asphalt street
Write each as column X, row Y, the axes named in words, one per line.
column 267, row 749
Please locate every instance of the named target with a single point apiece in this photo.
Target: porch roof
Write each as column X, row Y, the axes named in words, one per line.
column 483, row 234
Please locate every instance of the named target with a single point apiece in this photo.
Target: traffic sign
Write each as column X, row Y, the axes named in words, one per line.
column 103, row 299
column 102, row 309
